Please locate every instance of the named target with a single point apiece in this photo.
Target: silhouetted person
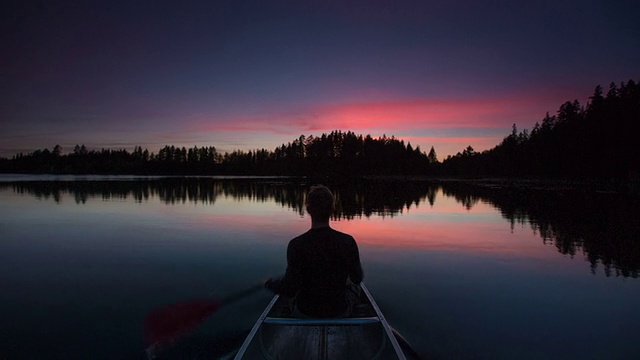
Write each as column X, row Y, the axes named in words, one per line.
column 319, row 262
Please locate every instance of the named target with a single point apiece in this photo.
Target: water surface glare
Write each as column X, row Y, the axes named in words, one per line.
column 462, row 272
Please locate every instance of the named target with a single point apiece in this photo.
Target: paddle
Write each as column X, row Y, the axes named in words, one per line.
column 165, row 325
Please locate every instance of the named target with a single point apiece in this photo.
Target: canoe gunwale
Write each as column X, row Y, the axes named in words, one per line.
column 385, row 324
column 255, row 328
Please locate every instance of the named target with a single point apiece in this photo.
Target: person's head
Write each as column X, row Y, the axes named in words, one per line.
column 320, row 203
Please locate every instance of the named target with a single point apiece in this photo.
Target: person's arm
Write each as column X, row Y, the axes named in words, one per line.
column 289, row 284
column 355, row 272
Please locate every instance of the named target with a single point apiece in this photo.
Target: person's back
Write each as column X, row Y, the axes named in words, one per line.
column 319, row 262
column 325, row 259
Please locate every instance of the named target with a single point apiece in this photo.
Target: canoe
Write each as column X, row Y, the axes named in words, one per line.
column 365, row 334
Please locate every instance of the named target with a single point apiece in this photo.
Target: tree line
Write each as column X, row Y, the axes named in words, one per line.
column 595, row 141
column 334, row 153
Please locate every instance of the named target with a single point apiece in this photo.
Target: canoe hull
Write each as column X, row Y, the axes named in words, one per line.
column 322, row 342
column 279, row 335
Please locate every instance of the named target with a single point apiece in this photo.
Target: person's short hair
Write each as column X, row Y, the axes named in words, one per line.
column 320, row 202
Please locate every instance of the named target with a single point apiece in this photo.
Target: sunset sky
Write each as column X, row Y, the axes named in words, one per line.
column 257, row 74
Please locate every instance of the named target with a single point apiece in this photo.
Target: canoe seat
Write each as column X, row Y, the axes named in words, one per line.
column 312, row 321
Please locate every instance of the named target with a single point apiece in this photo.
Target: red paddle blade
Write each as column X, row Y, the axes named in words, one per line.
column 164, row 325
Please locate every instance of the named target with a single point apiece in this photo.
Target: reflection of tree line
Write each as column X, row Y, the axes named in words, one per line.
column 355, row 198
column 168, row 190
column 604, row 227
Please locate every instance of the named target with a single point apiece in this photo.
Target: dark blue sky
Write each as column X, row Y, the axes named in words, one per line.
column 244, row 75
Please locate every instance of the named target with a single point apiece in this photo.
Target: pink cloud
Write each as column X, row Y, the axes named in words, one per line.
column 408, row 114
column 398, row 114
column 456, row 140
column 482, row 122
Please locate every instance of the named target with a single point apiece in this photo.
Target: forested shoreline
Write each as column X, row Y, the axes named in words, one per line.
column 595, row 141
column 333, row 153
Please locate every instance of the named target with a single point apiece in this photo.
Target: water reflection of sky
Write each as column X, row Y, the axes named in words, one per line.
column 446, row 226
column 449, row 226
column 458, row 282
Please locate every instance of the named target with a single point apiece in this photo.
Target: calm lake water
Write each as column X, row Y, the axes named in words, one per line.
column 462, row 271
